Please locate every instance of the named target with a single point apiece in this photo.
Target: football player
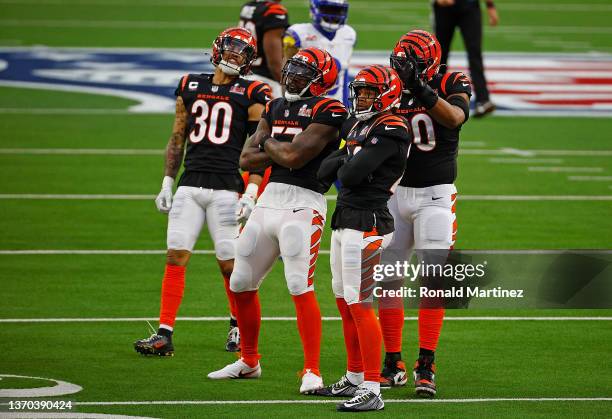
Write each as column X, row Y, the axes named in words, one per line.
column 295, row 134
column 267, row 21
column 214, row 115
column 329, row 31
column 423, row 206
column 369, row 168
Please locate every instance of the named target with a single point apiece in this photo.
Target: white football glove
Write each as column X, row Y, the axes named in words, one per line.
column 164, row 199
column 246, row 203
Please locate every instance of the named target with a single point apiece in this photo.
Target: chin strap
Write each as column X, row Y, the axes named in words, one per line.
column 229, row 69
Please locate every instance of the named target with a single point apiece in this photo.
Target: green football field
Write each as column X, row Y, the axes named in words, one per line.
column 82, row 249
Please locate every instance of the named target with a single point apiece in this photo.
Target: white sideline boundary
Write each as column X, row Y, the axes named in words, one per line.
column 287, row 319
column 146, row 197
column 329, row 401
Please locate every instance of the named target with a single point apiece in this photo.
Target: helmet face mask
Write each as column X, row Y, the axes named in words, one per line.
column 329, row 15
column 234, row 51
column 364, row 99
column 375, row 89
column 297, row 77
column 310, row 72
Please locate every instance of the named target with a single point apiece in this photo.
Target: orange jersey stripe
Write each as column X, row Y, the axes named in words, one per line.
column 392, row 120
column 253, row 86
column 443, row 82
column 335, row 107
column 318, row 105
column 275, row 9
column 184, row 81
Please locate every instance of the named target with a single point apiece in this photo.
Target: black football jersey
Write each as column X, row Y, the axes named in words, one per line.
column 287, row 119
column 433, row 156
column 259, row 17
column 217, row 128
column 380, row 184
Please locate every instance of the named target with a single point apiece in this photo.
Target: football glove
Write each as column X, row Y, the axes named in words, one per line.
column 407, row 70
column 246, row 203
column 164, row 199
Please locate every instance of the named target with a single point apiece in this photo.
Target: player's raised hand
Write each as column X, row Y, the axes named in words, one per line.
column 164, row 199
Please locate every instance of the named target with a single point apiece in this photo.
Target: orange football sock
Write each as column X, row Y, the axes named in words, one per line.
column 351, row 338
column 230, row 296
column 430, row 324
column 248, row 313
column 309, row 326
column 392, row 325
column 173, row 286
column 370, row 339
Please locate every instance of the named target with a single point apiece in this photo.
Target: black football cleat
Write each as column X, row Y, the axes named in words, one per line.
column 342, row 388
column 232, row 344
column 424, row 378
column 155, row 345
column 363, row 401
column 394, row 372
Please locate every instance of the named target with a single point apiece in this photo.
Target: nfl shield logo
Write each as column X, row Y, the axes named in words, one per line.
column 374, row 140
column 215, row 89
column 286, row 113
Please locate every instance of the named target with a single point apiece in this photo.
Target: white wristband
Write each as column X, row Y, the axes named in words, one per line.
column 168, row 182
column 251, row 190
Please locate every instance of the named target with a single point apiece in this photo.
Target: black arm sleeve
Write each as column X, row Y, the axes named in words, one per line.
column 329, row 166
column 252, row 127
column 462, row 104
column 358, row 168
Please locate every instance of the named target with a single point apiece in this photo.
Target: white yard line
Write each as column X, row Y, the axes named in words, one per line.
column 516, row 160
column 564, row 169
column 146, row 197
column 284, row 319
column 517, row 152
column 473, row 143
column 590, row 178
column 538, row 152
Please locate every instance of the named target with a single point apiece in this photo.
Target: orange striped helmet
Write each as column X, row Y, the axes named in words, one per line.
column 238, row 41
column 310, row 72
column 387, row 84
column 421, row 46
